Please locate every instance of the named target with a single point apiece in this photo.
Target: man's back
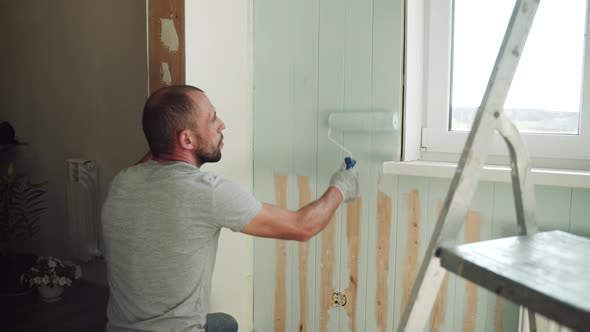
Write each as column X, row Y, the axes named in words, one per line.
column 161, row 223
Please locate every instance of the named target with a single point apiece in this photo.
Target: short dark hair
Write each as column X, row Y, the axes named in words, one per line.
column 166, row 113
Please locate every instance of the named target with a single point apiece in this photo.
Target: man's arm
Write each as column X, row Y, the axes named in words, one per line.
column 301, row 225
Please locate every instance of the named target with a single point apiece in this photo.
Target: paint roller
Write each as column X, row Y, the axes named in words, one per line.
column 360, row 122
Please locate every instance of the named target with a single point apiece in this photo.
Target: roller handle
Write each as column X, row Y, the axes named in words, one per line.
column 349, row 162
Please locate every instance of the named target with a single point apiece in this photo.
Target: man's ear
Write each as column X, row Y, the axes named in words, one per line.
column 186, row 139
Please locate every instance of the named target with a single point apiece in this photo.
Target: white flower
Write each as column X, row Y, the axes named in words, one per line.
column 48, row 272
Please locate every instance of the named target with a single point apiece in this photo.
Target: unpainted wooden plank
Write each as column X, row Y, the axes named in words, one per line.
column 292, row 262
column 411, row 237
column 305, row 25
column 304, row 199
column 280, row 309
column 386, row 96
column 471, row 303
column 353, row 247
column 472, row 234
column 448, row 314
column 480, row 213
column 381, row 239
column 166, row 43
column 353, row 220
column 383, row 249
column 498, row 323
column 439, row 309
column 285, row 103
column 357, row 86
column 496, row 303
column 327, row 271
column 280, row 288
column 283, row 135
column 412, row 246
column 332, row 14
column 502, row 314
column 442, row 314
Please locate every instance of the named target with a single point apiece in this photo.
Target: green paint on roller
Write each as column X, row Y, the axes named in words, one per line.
column 361, row 122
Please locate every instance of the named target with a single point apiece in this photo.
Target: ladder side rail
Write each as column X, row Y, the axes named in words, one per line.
column 522, row 184
column 464, row 181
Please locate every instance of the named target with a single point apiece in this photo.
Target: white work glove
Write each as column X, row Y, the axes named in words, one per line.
column 347, row 182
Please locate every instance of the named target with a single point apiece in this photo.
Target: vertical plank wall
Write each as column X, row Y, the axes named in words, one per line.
column 313, row 58
column 317, row 57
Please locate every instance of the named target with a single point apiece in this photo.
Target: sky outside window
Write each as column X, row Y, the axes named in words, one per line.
column 545, row 95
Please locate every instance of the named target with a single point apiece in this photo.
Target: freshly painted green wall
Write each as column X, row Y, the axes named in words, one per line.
column 313, row 58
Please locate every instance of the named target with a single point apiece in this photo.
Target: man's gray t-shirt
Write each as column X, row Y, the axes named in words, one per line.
column 160, row 226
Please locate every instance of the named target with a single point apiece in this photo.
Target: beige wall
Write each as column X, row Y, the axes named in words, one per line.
column 74, row 79
column 73, row 83
column 218, row 60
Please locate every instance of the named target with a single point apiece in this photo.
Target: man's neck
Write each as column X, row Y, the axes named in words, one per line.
column 184, row 157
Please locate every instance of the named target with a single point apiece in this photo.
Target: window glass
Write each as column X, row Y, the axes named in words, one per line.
column 546, row 92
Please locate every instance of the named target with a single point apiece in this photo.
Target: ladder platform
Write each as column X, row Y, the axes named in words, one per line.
column 547, row 272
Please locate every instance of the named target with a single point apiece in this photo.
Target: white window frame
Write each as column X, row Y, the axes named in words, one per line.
column 426, row 97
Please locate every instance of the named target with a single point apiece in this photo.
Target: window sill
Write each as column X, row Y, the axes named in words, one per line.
column 540, row 176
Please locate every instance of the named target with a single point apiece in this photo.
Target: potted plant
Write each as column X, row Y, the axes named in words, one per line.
column 51, row 275
column 21, row 207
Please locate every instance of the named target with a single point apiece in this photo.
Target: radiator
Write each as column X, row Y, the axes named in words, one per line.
column 83, row 208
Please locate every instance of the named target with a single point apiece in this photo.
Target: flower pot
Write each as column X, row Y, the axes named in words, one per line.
column 50, row 294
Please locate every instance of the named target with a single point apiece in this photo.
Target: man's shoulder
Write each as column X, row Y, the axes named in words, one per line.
column 156, row 169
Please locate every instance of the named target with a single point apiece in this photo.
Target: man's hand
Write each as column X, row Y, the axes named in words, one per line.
column 346, row 181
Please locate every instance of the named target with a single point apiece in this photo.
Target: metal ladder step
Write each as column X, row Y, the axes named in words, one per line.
column 547, row 272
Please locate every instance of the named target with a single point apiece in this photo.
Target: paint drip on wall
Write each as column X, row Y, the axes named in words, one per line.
column 165, row 71
column 168, row 36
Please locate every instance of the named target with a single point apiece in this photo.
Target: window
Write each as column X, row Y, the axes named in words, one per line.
column 550, row 90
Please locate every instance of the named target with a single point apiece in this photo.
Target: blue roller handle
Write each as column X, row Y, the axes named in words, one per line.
column 349, row 162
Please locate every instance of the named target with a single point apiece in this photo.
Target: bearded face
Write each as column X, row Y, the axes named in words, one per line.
column 208, row 129
column 208, row 152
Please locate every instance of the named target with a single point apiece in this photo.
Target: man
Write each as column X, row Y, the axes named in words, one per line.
column 162, row 218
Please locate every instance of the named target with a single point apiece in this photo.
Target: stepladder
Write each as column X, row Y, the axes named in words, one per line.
column 489, row 119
